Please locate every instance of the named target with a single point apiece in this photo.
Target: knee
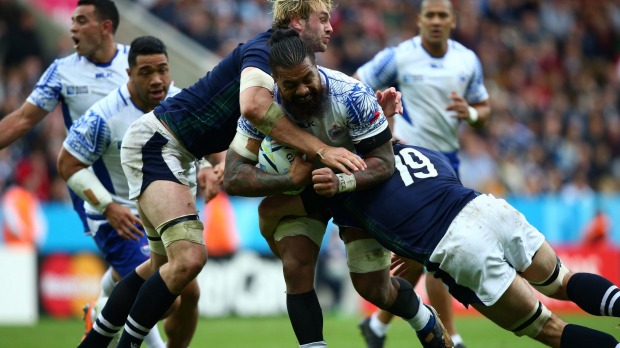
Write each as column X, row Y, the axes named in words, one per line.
column 297, row 267
column 190, row 262
column 372, row 289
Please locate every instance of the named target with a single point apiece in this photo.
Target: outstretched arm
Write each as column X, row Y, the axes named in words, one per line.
column 19, row 122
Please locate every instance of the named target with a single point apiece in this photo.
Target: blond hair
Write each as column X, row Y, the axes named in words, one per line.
column 284, row 10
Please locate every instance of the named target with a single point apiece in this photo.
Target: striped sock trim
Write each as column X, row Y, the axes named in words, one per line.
column 104, row 327
column 135, row 329
column 609, row 300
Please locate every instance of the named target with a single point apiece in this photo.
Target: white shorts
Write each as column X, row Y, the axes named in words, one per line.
column 484, row 247
column 149, row 152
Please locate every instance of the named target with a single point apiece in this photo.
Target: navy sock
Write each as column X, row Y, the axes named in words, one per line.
column 115, row 311
column 152, row 302
column 575, row 336
column 594, row 294
column 304, row 312
column 406, row 304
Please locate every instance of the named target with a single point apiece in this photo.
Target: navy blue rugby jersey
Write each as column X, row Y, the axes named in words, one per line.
column 203, row 117
column 411, row 211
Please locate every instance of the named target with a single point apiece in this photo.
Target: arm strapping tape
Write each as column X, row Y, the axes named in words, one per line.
column 239, row 145
column 86, row 185
column 346, row 182
column 271, row 117
column 255, row 78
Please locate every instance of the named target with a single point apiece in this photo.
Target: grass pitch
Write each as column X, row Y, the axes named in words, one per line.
column 276, row 332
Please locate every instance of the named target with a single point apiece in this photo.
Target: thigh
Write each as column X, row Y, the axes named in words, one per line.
column 408, row 269
column 164, row 200
column 150, row 153
column 514, row 305
column 543, row 264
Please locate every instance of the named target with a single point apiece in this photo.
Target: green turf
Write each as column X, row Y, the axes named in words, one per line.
column 275, row 332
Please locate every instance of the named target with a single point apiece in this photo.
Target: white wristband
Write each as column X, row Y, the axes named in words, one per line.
column 346, row 182
column 86, row 185
column 473, row 115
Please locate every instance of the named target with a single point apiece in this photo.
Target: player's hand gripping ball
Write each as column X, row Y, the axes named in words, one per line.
column 275, row 158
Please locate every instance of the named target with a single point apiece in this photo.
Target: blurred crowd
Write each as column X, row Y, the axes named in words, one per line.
column 551, row 68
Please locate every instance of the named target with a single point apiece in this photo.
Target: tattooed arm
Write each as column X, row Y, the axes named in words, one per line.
column 243, row 178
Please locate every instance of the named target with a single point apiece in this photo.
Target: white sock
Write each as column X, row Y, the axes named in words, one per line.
column 456, row 339
column 377, row 326
column 153, row 339
column 421, row 318
column 314, row 344
column 107, row 283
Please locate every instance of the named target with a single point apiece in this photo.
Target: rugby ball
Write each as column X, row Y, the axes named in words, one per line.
column 275, row 158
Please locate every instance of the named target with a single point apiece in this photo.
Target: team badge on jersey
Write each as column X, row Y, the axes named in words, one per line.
column 335, row 132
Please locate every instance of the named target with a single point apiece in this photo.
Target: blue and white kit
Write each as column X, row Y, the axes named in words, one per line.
column 426, row 83
column 95, row 139
column 76, row 84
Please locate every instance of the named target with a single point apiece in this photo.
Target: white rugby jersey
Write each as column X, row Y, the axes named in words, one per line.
column 426, row 83
column 77, row 83
column 352, row 113
column 95, row 139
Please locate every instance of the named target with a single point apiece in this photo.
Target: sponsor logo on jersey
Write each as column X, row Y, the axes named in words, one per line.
column 462, row 77
column 306, row 124
column 76, row 90
column 103, row 75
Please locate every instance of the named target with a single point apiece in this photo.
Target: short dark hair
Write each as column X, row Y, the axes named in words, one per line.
column 145, row 45
column 288, row 49
column 105, row 10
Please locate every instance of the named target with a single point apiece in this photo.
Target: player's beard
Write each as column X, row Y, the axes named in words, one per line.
column 303, row 111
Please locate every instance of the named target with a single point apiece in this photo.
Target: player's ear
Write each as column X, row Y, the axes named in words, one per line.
column 107, row 26
column 296, row 22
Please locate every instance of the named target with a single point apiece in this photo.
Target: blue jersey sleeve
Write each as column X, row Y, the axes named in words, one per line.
column 246, row 128
column 88, row 138
column 365, row 116
column 47, row 91
column 381, row 71
column 476, row 91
